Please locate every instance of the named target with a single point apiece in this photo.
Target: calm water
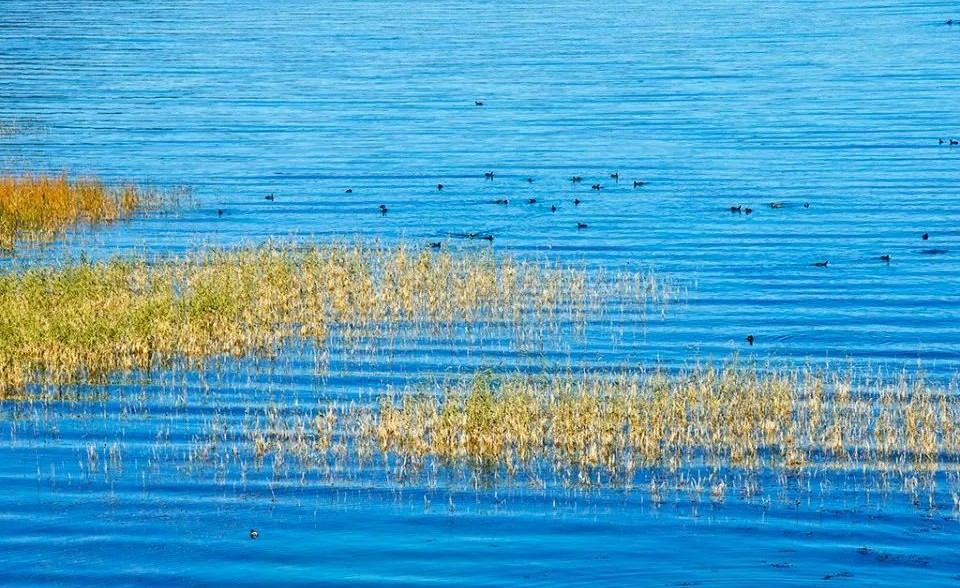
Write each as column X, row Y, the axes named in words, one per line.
column 714, row 104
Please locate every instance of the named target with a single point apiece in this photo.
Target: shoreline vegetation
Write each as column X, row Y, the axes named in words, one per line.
column 13, row 127
column 712, row 431
column 41, row 207
column 83, row 322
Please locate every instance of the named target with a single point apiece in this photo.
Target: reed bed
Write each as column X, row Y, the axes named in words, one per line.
column 39, row 207
column 601, row 430
column 597, row 428
column 20, row 126
column 83, row 321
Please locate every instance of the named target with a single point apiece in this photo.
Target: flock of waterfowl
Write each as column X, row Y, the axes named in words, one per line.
column 576, row 179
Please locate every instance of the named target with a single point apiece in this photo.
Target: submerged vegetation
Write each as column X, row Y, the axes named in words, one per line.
column 83, row 321
column 711, row 430
column 20, row 126
column 599, row 428
column 42, row 207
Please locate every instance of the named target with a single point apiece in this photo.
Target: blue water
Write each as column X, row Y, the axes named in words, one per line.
column 716, row 103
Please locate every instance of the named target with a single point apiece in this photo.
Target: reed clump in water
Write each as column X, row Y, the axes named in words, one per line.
column 596, row 429
column 20, row 126
column 40, row 207
column 82, row 321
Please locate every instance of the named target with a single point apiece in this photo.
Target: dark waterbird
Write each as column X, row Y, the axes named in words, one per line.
column 933, row 251
column 531, row 200
column 954, row 142
column 596, row 187
column 885, row 258
column 637, row 184
column 615, row 175
column 576, row 202
column 529, row 180
column 738, row 208
column 439, row 187
column 821, row 263
column 488, row 175
column 219, row 212
column 747, row 210
column 478, row 103
column 925, row 236
column 941, row 141
column 576, row 179
column 269, row 197
column 254, row 533
column 383, row 209
column 436, row 245
column 806, row 205
column 581, row 225
column 501, row 201
column 750, row 339
column 776, row 205
column 553, row 208
column 349, row 191
column 487, row 238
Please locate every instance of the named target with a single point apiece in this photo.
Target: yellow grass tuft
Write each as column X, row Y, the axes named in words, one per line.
column 41, row 207
column 84, row 321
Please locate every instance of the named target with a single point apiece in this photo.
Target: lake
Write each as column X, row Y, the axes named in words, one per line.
column 831, row 121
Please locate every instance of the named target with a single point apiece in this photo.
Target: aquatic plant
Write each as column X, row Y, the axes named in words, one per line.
column 40, row 207
column 603, row 428
column 82, row 321
column 20, row 126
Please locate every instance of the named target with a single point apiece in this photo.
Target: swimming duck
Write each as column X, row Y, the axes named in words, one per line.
column 615, row 175
column 553, row 208
column 269, row 197
column 637, row 184
column 747, row 210
column 436, row 245
column 738, row 208
column 576, row 202
column 925, row 236
column 219, row 212
column 439, row 187
column 531, row 200
column 383, row 209
column 488, row 175
column 529, row 180
column 502, row 201
column 820, row 263
column 885, row 258
column 954, row 142
column 349, row 190
column 576, row 179
column 806, row 205
column 581, row 225
column 487, row 238
column 776, row 205
column 254, row 533
column 478, row 103
column 596, row 187
column 750, row 339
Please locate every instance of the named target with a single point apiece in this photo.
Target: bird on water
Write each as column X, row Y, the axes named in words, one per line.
column 750, row 339
column 254, row 533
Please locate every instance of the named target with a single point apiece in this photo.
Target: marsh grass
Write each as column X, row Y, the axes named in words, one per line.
column 40, row 207
column 84, row 321
column 601, row 429
column 20, row 126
